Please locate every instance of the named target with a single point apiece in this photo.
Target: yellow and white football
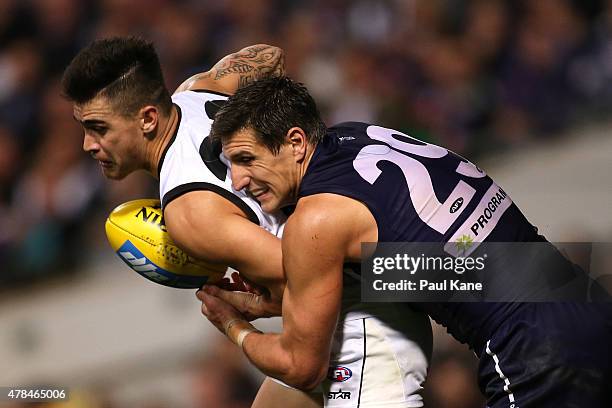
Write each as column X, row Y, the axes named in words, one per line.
column 138, row 235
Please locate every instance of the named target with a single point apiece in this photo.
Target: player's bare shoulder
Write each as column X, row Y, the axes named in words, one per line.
column 341, row 220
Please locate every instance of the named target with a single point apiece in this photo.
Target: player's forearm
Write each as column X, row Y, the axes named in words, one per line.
column 290, row 365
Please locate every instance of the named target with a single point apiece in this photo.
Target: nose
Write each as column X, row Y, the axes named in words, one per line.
column 240, row 177
column 90, row 144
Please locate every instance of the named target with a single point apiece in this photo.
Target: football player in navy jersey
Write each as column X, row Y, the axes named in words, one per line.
column 357, row 182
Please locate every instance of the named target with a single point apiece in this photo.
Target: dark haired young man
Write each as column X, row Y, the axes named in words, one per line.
column 357, row 182
column 131, row 122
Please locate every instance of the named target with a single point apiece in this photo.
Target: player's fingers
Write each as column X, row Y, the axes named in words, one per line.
column 206, row 300
column 204, row 296
column 245, row 303
column 237, row 299
column 214, row 311
column 215, row 308
column 200, row 294
column 212, row 290
column 218, row 292
column 217, row 299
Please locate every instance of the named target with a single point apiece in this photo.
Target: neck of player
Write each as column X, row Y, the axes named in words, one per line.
column 158, row 143
column 302, row 168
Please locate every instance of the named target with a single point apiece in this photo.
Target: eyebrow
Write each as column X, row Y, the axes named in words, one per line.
column 90, row 122
column 239, row 153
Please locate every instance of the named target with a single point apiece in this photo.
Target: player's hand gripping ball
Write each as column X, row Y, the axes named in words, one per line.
column 138, row 235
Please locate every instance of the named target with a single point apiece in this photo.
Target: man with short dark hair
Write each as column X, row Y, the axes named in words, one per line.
column 358, row 182
column 131, row 123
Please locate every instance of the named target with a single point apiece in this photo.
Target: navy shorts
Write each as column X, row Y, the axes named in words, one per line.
column 550, row 355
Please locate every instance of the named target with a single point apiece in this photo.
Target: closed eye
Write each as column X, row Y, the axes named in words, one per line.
column 101, row 130
column 244, row 159
column 95, row 125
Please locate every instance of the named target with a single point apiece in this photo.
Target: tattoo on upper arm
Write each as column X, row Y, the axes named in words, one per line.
column 234, row 67
column 252, row 63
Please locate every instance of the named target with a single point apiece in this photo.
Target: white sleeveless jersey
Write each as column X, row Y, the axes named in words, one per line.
column 190, row 162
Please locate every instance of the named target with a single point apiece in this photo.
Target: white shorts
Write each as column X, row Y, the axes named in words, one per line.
column 380, row 355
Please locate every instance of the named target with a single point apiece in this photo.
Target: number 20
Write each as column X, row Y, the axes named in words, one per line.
column 437, row 215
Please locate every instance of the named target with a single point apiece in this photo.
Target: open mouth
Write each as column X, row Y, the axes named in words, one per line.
column 257, row 194
column 105, row 163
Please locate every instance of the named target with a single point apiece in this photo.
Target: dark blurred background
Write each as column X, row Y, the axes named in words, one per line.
column 511, row 84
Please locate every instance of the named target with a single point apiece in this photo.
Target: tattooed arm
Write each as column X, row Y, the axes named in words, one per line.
column 239, row 69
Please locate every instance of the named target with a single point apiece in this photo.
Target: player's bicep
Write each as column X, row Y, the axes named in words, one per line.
column 256, row 253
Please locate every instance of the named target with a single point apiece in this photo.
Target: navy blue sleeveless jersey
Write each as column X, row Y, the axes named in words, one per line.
column 419, row 192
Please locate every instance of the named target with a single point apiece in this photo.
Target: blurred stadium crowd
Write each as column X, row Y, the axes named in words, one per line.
column 475, row 76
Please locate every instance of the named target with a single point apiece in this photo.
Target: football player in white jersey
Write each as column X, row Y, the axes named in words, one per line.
column 132, row 123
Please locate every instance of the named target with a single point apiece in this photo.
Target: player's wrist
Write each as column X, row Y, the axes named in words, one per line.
column 237, row 330
column 229, row 324
column 242, row 336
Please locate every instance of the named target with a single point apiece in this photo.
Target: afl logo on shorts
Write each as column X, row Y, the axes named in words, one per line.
column 339, row 374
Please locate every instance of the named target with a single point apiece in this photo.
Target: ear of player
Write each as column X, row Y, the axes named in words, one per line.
column 137, row 233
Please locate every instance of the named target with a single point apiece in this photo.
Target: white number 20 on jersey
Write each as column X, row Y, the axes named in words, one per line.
column 439, row 216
